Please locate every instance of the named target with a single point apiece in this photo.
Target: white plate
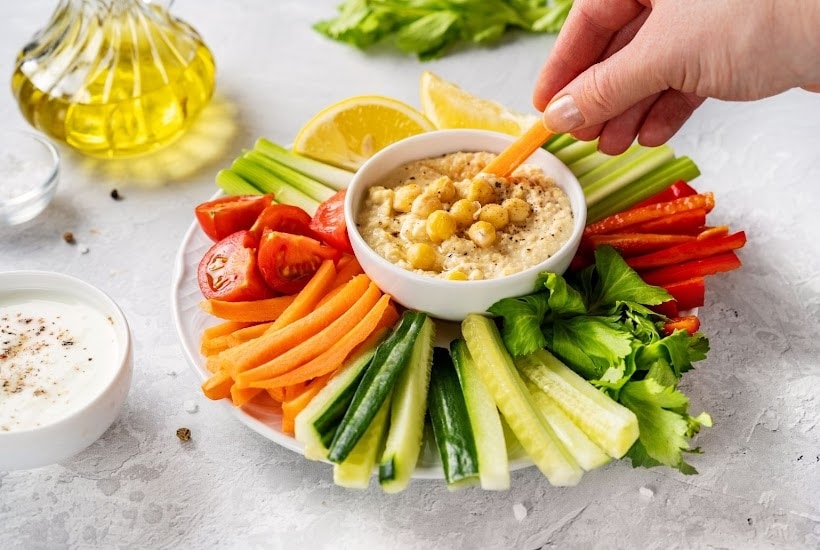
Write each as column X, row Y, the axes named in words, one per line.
column 264, row 417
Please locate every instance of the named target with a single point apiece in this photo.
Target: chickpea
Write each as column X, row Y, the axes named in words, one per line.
column 481, row 189
column 404, row 196
column 457, row 275
column 517, row 209
column 482, row 234
column 414, row 230
column 464, row 211
column 495, row 214
column 443, row 188
column 424, row 205
column 440, row 226
column 422, row 256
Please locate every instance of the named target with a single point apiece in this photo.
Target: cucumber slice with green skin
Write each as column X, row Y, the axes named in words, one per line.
column 315, row 426
column 451, row 424
column 488, row 433
column 512, row 398
column 404, row 438
column 610, row 425
column 391, row 357
column 588, row 455
column 355, row 471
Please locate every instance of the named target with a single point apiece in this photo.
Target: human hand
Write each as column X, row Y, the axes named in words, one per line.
column 627, row 68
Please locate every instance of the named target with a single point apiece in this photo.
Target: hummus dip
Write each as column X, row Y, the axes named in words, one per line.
column 441, row 217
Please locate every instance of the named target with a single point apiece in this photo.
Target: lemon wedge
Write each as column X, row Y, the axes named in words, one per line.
column 449, row 106
column 350, row 131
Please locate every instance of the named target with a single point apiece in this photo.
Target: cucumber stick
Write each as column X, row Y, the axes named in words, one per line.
column 497, row 371
column 488, row 433
column 355, row 471
column 612, row 427
column 588, row 455
column 451, row 424
column 315, row 426
column 390, row 358
column 404, row 438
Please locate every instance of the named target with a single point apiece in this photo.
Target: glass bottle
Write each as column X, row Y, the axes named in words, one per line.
column 113, row 78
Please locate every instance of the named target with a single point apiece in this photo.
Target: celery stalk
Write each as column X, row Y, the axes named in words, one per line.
column 335, row 178
column 682, row 168
column 589, row 162
column 576, row 151
column 295, row 179
column 559, row 142
column 640, row 165
column 613, row 163
column 268, row 182
column 233, row 184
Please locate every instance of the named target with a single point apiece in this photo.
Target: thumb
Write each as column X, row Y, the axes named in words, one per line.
column 604, row 91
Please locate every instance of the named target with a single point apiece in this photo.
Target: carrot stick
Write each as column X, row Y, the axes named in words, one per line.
column 276, row 341
column 277, row 394
column 218, row 386
column 307, row 298
column 241, row 396
column 294, row 406
column 347, row 271
column 335, row 355
column 635, row 216
column 220, row 343
column 226, row 327
column 254, row 311
column 519, row 151
column 316, row 344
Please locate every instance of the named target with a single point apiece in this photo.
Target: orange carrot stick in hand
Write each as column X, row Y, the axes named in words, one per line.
column 519, row 151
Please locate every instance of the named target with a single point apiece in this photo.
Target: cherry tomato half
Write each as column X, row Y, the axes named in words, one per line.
column 229, row 270
column 282, row 217
column 328, row 223
column 221, row 217
column 288, row 261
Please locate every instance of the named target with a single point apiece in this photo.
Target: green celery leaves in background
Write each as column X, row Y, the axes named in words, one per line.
column 429, row 28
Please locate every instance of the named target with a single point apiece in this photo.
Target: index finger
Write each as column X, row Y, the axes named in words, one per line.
column 585, row 36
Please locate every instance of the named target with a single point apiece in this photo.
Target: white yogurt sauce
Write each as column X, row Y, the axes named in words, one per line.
column 56, row 355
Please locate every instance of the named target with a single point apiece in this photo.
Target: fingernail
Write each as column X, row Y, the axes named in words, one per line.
column 562, row 115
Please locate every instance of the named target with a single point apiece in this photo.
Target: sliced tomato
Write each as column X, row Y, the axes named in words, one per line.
column 229, row 270
column 284, row 218
column 328, row 223
column 221, row 217
column 288, row 261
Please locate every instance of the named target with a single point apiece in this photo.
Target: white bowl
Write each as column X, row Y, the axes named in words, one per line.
column 443, row 299
column 29, row 172
column 63, row 430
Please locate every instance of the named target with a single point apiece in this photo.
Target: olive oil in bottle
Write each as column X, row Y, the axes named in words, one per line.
column 113, row 78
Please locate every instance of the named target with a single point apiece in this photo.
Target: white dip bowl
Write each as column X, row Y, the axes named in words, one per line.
column 446, row 299
column 66, row 362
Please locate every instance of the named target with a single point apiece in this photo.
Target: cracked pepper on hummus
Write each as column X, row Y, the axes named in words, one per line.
column 442, row 217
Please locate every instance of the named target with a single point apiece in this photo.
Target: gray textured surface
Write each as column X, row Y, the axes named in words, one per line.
column 140, row 487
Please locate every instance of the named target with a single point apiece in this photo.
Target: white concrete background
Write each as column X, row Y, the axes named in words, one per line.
column 139, row 487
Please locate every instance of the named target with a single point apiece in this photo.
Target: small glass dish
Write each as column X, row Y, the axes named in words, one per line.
column 29, row 171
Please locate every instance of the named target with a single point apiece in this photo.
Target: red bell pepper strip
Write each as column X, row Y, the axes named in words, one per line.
column 634, row 244
column 675, row 191
column 688, row 294
column 716, row 231
column 689, row 323
column 668, row 308
column 635, row 216
column 689, row 222
column 688, row 251
column 694, row 268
